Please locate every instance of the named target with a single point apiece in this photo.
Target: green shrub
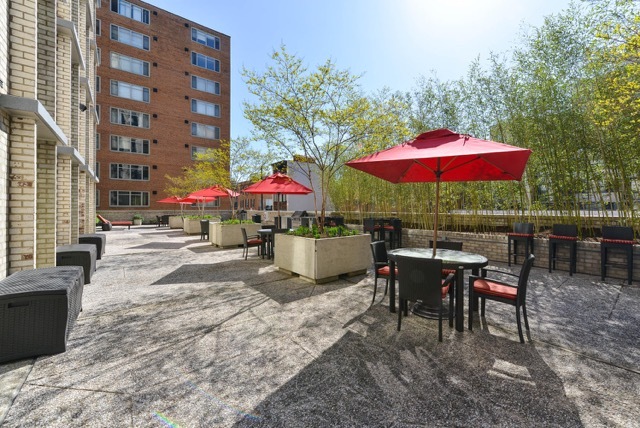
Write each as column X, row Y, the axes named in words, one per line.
column 329, row 232
column 237, row 221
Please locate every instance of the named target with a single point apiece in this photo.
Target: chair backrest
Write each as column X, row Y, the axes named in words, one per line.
column 396, row 223
column 244, row 234
column 523, row 228
column 617, row 232
column 447, row 245
column 419, row 278
column 379, row 252
column 368, row 225
column 565, row 230
column 524, row 278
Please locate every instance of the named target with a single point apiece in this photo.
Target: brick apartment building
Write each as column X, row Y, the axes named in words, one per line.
column 47, row 129
column 163, row 94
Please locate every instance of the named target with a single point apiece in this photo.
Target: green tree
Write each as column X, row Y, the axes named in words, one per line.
column 318, row 114
column 230, row 165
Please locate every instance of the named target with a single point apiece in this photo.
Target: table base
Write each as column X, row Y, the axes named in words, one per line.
column 424, row 311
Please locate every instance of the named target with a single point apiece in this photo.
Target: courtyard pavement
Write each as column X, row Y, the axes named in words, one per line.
column 175, row 332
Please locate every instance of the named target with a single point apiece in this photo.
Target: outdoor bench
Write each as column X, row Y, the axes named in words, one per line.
column 108, row 223
column 38, row 309
column 78, row 255
column 97, row 239
column 122, row 223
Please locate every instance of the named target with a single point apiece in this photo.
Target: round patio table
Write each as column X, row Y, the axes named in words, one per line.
column 451, row 259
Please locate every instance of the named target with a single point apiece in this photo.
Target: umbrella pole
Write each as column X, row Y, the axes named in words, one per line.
column 279, row 219
column 435, row 217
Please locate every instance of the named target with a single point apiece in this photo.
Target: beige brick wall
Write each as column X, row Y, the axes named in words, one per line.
column 4, row 156
column 4, row 49
column 22, row 48
column 75, row 176
column 47, row 55
column 63, row 84
column 63, row 206
column 22, row 194
column 46, row 205
column 45, row 201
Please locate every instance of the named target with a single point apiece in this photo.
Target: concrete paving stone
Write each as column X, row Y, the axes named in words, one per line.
column 176, row 332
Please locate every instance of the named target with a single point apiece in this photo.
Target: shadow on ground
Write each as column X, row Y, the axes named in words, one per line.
column 384, row 378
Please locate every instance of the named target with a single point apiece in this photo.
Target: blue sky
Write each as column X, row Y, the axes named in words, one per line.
column 391, row 43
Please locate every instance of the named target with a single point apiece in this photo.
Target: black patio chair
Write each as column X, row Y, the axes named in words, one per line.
column 204, row 230
column 420, row 279
column 619, row 238
column 514, row 294
column 250, row 241
column 380, row 267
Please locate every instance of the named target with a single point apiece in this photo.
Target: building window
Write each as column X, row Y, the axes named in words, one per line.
column 205, row 38
column 205, row 85
column 205, row 61
column 98, row 111
column 98, row 27
column 129, row 37
column 205, row 131
column 129, row 64
column 129, row 145
column 123, row 171
column 98, row 169
column 129, row 91
column 120, row 116
column 129, row 10
column 197, row 150
column 98, row 56
column 126, row 198
column 97, row 83
column 203, row 107
column 97, row 141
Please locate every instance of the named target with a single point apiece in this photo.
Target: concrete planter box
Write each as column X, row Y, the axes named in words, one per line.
column 191, row 226
column 175, row 222
column 323, row 260
column 230, row 235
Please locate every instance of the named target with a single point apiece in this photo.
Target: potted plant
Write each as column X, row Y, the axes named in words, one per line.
column 137, row 219
column 320, row 258
column 192, row 223
column 228, row 233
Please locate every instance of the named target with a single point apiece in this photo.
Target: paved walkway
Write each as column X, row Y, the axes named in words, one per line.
column 175, row 332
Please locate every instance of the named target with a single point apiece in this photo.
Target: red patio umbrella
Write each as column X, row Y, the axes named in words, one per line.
column 177, row 200
column 207, row 195
column 443, row 155
column 277, row 184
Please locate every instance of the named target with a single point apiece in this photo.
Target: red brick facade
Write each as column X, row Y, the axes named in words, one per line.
column 170, row 95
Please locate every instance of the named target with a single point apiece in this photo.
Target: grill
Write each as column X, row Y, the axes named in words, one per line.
column 296, row 219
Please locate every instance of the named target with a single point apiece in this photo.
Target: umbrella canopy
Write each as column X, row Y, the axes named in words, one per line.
column 177, row 200
column 209, row 193
column 443, row 155
column 277, row 184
